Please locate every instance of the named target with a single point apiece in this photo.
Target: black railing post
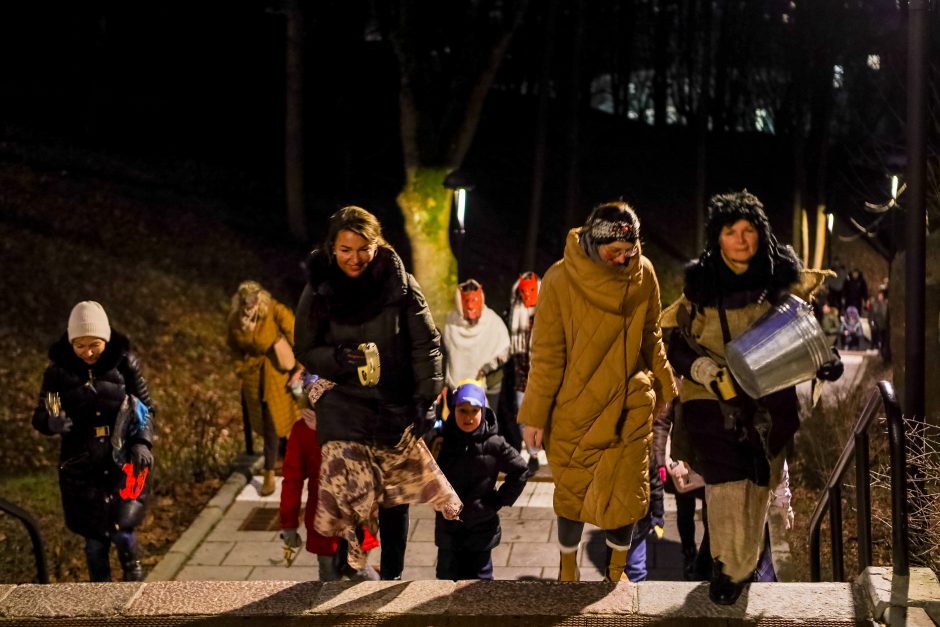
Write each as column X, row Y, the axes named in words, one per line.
column 863, row 499
column 831, row 498
column 898, row 446
column 42, row 575
column 814, row 569
column 835, row 531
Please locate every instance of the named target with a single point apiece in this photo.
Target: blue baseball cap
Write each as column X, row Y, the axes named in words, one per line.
column 469, row 391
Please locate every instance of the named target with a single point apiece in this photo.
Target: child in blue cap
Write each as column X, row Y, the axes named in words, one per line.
column 472, row 456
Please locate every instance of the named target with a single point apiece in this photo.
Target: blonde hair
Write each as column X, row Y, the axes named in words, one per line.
column 246, row 290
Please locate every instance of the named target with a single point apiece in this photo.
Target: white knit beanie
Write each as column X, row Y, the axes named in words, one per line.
column 88, row 319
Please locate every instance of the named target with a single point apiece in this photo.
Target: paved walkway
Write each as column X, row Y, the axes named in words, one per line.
column 236, row 535
column 244, row 544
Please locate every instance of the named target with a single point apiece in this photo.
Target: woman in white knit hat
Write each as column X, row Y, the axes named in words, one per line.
column 94, row 397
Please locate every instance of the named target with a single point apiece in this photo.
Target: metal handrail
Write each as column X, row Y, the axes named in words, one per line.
column 42, row 575
column 831, row 498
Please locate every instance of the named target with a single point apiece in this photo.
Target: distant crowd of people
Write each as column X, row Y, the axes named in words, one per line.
column 356, row 392
column 850, row 317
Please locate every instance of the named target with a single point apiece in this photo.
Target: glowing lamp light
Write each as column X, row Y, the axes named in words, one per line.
column 460, row 195
column 460, row 184
column 829, row 221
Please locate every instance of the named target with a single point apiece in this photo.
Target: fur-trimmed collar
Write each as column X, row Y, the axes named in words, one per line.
column 62, row 354
column 355, row 300
column 770, row 273
column 386, row 270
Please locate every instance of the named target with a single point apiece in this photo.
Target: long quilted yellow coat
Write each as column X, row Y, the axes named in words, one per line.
column 261, row 381
column 596, row 352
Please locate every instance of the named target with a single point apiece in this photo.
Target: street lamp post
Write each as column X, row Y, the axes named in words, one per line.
column 461, row 186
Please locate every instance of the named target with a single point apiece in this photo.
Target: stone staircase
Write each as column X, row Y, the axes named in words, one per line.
column 874, row 597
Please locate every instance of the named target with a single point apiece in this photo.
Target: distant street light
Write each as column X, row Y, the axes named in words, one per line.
column 461, row 185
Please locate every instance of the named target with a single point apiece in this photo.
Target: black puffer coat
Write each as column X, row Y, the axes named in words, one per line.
column 384, row 306
column 91, row 396
column 472, row 462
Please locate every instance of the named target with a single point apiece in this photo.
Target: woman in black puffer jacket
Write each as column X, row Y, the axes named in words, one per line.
column 91, row 374
column 359, row 292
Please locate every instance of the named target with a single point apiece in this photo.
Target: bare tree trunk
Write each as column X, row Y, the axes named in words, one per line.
column 660, row 63
column 626, row 13
column 804, row 238
column 431, row 150
column 820, row 247
column 722, row 60
column 293, row 126
column 426, row 205
column 799, row 186
column 541, row 139
column 701, row 125
column 818, row 144
column 573, row 137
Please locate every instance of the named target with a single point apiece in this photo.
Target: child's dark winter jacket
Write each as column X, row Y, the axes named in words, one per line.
column 92, row 396
column 472, row 462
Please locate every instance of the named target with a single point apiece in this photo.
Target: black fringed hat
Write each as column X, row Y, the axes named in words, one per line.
column 726, row 209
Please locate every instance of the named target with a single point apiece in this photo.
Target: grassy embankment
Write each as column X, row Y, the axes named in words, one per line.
column 164, row 266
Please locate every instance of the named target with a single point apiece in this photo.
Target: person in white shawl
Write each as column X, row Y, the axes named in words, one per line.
column 476, row 340
column 524, row 296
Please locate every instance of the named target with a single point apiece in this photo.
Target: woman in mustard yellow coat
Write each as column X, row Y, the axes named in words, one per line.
column 256, row 321
column 597, row 355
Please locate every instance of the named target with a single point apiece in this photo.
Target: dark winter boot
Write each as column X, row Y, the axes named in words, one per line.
column 689, row 556
column 133, row 571
column 99, row 566
column 721, row 589
column 329, row 569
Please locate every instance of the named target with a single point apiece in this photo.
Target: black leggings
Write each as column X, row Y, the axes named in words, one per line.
column 393, row 527
column 685, row 515
column 271, row 441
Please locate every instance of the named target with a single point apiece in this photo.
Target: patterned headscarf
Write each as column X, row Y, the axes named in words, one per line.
column 609, row 222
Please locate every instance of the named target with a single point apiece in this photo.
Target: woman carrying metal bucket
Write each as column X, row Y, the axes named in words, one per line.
column 738, row 441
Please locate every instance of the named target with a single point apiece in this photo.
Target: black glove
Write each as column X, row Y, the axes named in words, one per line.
column 831, row 370
column 60, row 423
column 349, row 358
column 425, row 418
column 141, row 457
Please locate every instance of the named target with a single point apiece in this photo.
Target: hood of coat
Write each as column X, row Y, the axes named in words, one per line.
column 487, row 428
column 600, row 285
column 62, row 354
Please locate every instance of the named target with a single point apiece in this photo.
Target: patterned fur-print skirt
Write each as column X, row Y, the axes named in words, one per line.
column 355, row 479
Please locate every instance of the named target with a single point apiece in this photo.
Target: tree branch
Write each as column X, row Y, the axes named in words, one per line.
column 463, row 138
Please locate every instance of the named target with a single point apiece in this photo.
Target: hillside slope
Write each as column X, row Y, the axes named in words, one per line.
column 164, row 266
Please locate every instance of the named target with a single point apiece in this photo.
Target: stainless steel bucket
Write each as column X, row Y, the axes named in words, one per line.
column 783, row 347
